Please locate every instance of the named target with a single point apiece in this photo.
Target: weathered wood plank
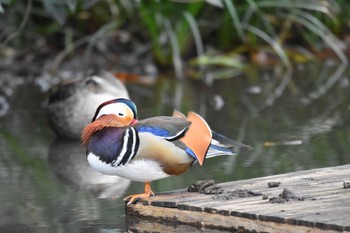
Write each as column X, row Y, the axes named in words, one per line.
column 323, row 205
column 200, row 220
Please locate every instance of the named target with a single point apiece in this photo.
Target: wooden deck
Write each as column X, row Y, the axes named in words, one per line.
column 321, row 203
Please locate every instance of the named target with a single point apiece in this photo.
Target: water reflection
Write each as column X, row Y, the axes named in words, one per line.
column 135, row 224
column 32, row 197
column 66, row 157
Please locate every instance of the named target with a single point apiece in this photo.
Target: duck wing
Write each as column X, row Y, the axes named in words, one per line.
column 169, row 128
column 192, row 132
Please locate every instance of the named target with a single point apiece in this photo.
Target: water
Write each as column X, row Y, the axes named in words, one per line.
column 42, row 189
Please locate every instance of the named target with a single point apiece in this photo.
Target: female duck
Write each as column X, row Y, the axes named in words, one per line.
column 70, row 107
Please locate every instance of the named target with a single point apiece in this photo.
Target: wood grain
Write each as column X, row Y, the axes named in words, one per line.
column 325, row 206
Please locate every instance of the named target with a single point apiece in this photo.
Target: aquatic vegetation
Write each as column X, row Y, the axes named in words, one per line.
column 207, row 33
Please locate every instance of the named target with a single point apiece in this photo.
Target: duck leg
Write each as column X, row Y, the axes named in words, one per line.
column 147, row 193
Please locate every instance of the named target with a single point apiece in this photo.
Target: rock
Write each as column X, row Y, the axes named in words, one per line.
column 273, row 184
column 205, row 187
column 287, row 195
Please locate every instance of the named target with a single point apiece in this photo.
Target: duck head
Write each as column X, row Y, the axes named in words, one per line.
column 117, row 113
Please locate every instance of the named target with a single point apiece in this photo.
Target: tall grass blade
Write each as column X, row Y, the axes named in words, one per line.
column 182, row 26
column 236, row 22
column 217, row 3
column 175, row 49
column 316, row 26
column 196, row 35
column 148, row 17
column 313, row 5
column 72, row 4
column 253, row 8
column 271, row 41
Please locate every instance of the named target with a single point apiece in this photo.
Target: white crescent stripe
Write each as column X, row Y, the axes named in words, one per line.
column 176, row 135
column 123, row 150
column 134, row 142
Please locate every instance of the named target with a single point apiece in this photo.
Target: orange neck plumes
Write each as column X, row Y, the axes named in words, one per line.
column 99, row 124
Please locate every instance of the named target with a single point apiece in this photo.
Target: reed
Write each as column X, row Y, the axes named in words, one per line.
column 203, row 32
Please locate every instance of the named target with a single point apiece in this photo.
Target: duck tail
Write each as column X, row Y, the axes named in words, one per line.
column 221, row 145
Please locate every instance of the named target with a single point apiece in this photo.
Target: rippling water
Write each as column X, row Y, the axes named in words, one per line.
column 47, row 187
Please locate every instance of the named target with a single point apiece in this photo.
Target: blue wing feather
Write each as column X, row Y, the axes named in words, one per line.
column 157, row 131
column 191, row 153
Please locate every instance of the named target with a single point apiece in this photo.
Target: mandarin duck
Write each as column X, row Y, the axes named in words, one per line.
column 117, row 143
column 70, row 105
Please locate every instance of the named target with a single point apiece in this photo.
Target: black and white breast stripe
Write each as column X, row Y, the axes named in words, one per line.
column 130, row 145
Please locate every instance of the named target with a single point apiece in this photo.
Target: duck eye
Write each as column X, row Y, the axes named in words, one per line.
column 120, row 114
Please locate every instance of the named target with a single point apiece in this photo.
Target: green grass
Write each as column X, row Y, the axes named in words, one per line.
column 182, row 30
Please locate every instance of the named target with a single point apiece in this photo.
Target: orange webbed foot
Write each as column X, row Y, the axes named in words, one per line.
column 133, row 198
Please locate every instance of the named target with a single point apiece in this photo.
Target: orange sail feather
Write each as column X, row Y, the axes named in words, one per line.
column 198, row 137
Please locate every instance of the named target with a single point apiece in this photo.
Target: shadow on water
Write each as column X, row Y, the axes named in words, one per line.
column 47, row 186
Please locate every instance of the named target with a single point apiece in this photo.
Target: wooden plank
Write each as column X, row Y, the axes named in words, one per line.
column 204, row 220
column 325, row 206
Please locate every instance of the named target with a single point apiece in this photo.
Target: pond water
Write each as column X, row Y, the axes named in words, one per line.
column 43, row 190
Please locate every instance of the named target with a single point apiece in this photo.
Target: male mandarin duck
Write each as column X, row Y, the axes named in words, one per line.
column 117, row 143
